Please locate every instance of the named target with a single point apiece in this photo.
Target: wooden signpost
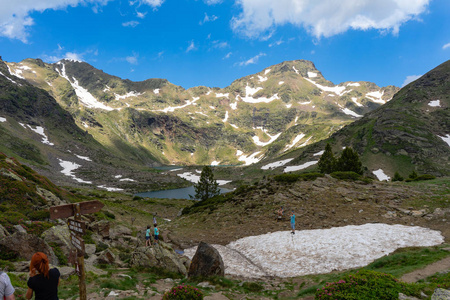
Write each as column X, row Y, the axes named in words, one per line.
column 77, row 229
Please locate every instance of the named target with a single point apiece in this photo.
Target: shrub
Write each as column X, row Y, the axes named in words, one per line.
column 413, row 175
column 39, row 215
column 425, row 177
column 346, row 175
column 365, row 285
column 59, row 253
column 183, row 292
column 287, row 177
column 109, row 215
column 397, row 177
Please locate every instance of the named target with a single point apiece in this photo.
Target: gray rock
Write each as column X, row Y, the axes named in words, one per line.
column 103, row 228
column 206, row 262
column 160, row 255
column 22, row 266
column 440, row 294
column 120, row 231
column 19, row 228
column 52, row 199
column 60, row 235
column 404, row 297
column 3, row 232
column 24, row 245
column 89, row 249
column 106, row 258
column 10, row 174
column 66, row 271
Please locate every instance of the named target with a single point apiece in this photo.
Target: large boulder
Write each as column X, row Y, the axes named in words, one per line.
column 440, row 294
column 60, row 235
column 103, row 228
column 23, row 245
column 160, row 255
column 206, row 262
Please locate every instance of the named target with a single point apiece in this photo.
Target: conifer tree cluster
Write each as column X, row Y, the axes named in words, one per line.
column 348, row 161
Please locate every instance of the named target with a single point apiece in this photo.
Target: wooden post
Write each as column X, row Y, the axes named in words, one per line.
column 80, row 259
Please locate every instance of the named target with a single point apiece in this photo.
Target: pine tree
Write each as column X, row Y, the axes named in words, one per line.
column 397, row 177
column 327, row 162
column 349, row 161
column 207, row 186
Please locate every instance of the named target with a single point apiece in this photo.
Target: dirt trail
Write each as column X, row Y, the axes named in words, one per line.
column 439, row 266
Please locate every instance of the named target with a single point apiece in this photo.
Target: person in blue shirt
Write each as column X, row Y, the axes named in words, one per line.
column 147, row 237
column 156, row 234
column 293, row 222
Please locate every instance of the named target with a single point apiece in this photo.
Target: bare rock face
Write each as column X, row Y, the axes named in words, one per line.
column 206, row 262
column 161, row 256
column 23, row 245
column 60, row 235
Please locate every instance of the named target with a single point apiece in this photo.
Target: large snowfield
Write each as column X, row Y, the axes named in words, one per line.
column 318, row 251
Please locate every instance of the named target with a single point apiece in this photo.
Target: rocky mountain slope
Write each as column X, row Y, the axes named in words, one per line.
column 262, row 115
column 409, row 133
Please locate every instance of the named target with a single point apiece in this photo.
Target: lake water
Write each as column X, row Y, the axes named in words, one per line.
column 182, row 193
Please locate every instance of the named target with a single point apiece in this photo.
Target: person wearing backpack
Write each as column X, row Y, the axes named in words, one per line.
column 6, row 288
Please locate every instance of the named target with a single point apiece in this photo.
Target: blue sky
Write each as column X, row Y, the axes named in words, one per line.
column 213, row 42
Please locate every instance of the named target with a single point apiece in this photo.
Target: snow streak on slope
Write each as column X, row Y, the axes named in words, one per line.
column 171, row 108
column 446, row 138
column 376, row 97
column 381, row 176
column 339, row 90
column 276, row 164
column 435, row 103
column 300, row 167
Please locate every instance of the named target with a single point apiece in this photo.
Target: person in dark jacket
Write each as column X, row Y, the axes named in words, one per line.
column 43, row 281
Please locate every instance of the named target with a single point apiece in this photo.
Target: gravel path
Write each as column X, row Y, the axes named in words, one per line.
column 439, row 266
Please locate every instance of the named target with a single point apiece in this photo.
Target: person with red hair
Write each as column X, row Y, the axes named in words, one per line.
column 43, row 281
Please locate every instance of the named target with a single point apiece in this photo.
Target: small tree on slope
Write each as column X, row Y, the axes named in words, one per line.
column 207, row 186
column 349, row 161
column 327, row 162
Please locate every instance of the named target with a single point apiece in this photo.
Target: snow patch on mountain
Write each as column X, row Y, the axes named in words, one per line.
column 381, row 175
column 249, row 92
column 319, row 153
column 262, row 144
column 233, row 105
column 110, row 189
column 68, row 168
column 312, row 74
column 156, row 91
column 295, row 141
column 445, row 138
column 280, row 83
column 318, row 251
column 353, row 84
column 296, row 71
column 173, row 108
column 9, row 79
column 262, row 79
column 219, row 95
column 339, row 90
column 288, row 105
column 435, row 103
column 266, row 71
column 40, row 130
column 276, row 164
column 83, row 157
column 226, row 117
column 355, row 100
column 300, row 167
column 127, row 95
column 127, row 179
column 350, row 112
column 215, row 163
column 190, row 177
column 376, row 96
column 248, row 159
column 84, row 96
column 2, row 119
column 304, row 103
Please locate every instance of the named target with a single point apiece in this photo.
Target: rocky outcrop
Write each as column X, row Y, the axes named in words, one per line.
column 206, row 262
column 440, row 294
column 103, row 228
column 3, row 232
column 52, row 199
column 23, row 245
column 60, row 235
column 160, row 255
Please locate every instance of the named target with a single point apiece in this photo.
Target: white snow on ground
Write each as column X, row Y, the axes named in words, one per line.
column 305, row 103
column 226, row 117
column 319, row 251
column 15, row 72
column 68, row 168
column 305, row 143
column 339, row 90
column 376, row 97
column 380, row 175
column 435, row 103
column 190, row 177
column 248, row 159
column 201, row 113
column 118, row 176
column 446, row 138
column 110, row 189
column 215, row 163
column 280, row 83
column 288, row 105
column 233, row 105
column 156, row 91
column 350, row 112
column 262, row 79
column 127, row 95
column 175, row 169
column 249, row 99
column 172, row 108
column 2, row 119
column 40, row 130
column 233, row 125
column 355, row 100
column 331, row 95
column 262, row 144
column 9, row 78
column 296, row 119
column 127, row 179
column 312, row 74
column 296, row 71
column 353, row 84
column 84, row 96
column 23, row 125
column 212, row 107
column 85, row 125
column 319, row 153
column 267, row 71
column 295, row 141
column 300, row 167
column 276, row 164
column 83, row 157
column 218, row 95
column 222, row 182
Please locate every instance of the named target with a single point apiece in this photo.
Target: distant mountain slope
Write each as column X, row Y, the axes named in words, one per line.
column 410, row 132
column 283, row 107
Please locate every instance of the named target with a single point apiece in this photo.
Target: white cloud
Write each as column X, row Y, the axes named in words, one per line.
column 74, row 56
column 220, row 45
column 277, row 43
column 208, row 19
column 213, row 2
column 132, row 59
column 130, row 24
column 446, row 46
column 15, row 19
column 327, row 17
column 191, row 47
column 252, row 60
column 140, row 15
column 153, row 3
column 410, row 79
column 228, row 55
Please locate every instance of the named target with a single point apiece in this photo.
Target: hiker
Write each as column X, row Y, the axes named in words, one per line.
column 154, row 219
column 43, row 281
column 147, row 237
column 6, row 288
column 293, row 222
column 280, row 214
column 156, row 234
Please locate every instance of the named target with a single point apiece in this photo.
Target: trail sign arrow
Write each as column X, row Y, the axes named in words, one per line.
column 68, row 210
